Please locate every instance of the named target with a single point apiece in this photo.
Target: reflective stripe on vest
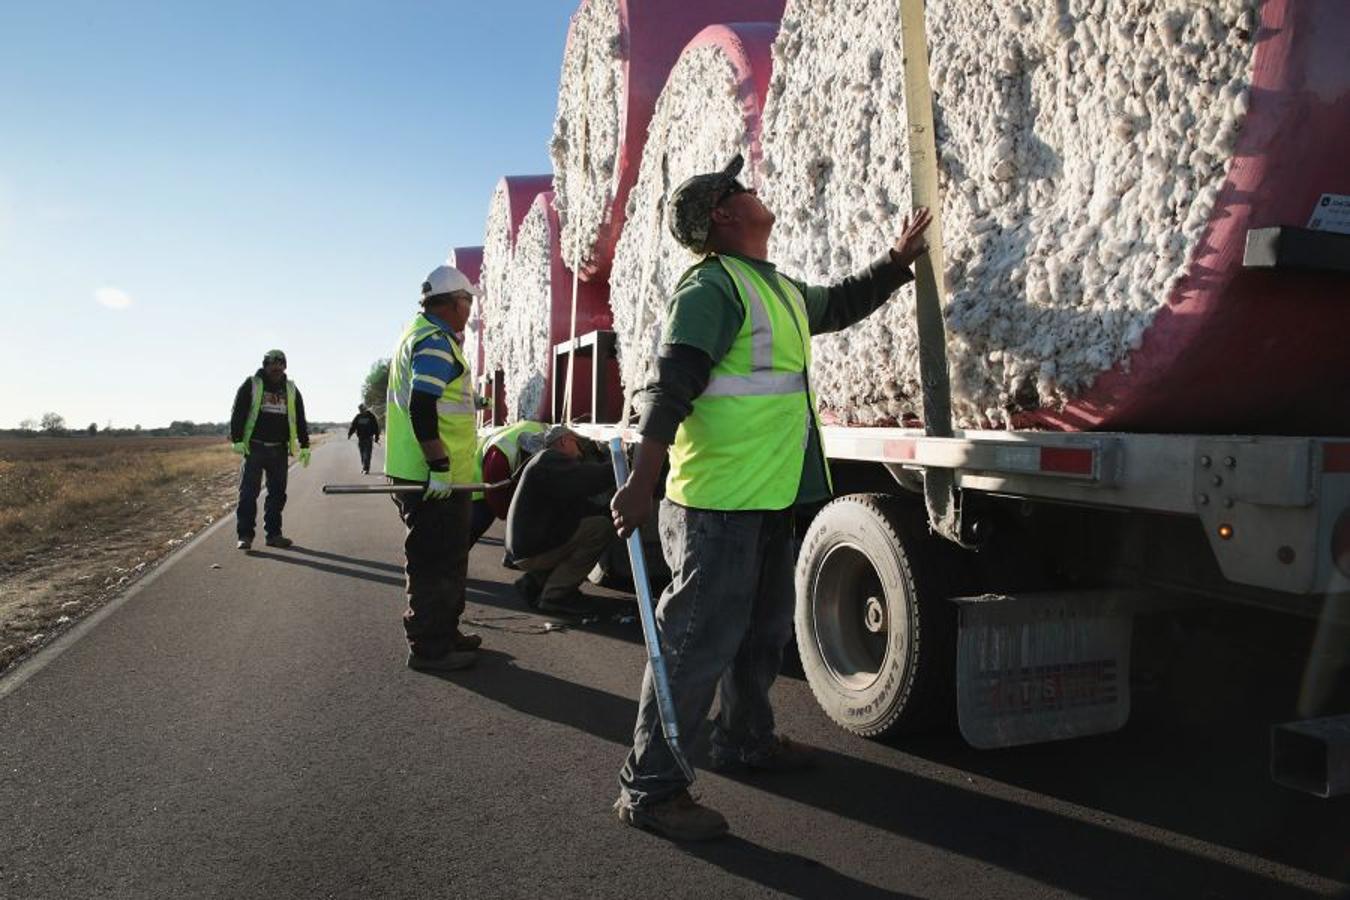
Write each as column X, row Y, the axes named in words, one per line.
column 507, row 439
column 454, row 411
column 255, row 407
column 744, row 444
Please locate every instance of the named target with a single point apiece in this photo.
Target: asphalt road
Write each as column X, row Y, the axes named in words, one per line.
column 244, row 726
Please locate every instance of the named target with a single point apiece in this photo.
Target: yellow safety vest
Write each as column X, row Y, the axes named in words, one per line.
column 403, row 457
column 255, row 406
column 743, row 446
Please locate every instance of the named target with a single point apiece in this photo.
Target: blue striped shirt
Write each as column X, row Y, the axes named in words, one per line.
column 433, row 363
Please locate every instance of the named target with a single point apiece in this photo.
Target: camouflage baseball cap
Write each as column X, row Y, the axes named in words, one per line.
column 691, row 204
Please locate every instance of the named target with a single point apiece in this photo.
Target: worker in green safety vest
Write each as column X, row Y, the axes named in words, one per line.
column 499, row 458
column 430, row 440
column 267, row 427
column 731, row 407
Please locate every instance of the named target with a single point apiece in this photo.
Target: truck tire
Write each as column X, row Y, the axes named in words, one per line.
column 875, row 630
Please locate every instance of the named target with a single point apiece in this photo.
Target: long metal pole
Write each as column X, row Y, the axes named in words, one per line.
column 665, row 701
column 408, row 488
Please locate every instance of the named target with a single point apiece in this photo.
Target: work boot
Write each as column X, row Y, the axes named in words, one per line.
column 680, row 818
column 244, row 544
column 466, row 640
column 279, row 540
column 529, row 589
column 780, row 755
column 451, row 661
column 572, row 603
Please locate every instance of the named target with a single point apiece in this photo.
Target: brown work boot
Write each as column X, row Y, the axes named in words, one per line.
column 451, row 661
column 779, row 755
column 466, row 640
column 680, row 818
column 568, row 603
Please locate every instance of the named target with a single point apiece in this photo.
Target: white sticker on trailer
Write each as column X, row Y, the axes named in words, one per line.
column 1332, row 213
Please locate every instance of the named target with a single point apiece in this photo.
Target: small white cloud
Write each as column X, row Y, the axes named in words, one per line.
column 113, row 298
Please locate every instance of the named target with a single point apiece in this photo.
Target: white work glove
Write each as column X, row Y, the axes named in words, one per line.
column 438, row 486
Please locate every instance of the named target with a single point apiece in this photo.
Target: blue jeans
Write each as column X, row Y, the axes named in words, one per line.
column 723, row 622
column 272, row 462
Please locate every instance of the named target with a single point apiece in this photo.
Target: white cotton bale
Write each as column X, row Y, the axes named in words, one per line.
column 536, row 314
column 520, row 319
column 1081, row 149
column 617, row 58
column 708, row 112
column 469, row 260
column 511, row 200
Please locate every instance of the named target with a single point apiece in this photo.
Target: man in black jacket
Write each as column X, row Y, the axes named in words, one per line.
column 367, row 429
column 555, row 531
column 267, row 425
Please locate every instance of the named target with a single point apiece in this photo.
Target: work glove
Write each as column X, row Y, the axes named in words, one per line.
column 304, row 456
column 240, row 447
column 438, row 486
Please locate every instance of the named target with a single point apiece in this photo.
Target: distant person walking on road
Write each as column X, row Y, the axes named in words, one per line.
column 267, row 426
column 367, row 430
column 733, row 405
column 430, row 440
column 555, row 531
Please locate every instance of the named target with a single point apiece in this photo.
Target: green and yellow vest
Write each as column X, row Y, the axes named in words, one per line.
column 507, row 439
column 454, row 409
column 743, row 446
column 255, row 405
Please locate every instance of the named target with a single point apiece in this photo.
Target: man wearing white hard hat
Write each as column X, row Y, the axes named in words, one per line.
column 430, row 439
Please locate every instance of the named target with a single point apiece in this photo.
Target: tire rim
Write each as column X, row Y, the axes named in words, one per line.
column 851, row 620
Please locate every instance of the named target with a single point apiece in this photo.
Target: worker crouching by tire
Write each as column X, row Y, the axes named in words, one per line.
column 732, row 407
column 430, row 440
column 555, row 532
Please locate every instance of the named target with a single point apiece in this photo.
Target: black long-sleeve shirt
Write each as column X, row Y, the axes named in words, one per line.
column 365, row 426
column 271, row 427
column 553, row 496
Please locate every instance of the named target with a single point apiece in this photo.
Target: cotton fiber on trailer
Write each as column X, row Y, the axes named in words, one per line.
column 618, row 56
column 1100, row 169
column 709, row 111
column 511, row 200
column 469, row 260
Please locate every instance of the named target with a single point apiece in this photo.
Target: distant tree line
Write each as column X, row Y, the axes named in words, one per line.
column 375, row 388
column 54, row 425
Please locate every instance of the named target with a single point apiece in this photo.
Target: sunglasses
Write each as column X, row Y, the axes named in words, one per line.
column 274, row 361
column 735, row 188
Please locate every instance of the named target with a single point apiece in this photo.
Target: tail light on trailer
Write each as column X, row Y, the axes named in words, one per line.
column 1340, row 543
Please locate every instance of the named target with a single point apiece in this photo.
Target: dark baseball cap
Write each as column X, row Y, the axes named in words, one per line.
column 691, row 204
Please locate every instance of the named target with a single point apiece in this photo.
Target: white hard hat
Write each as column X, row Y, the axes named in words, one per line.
column 447, row 280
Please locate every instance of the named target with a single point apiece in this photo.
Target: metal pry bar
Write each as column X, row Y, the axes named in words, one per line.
column 665, row 701
column 407, row 488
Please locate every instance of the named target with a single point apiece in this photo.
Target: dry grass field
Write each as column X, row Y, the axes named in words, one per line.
column 83, row 517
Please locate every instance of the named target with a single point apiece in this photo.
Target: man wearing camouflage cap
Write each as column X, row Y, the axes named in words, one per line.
column 732, row 407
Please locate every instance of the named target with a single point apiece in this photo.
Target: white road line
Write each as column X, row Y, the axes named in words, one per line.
column 11, row 680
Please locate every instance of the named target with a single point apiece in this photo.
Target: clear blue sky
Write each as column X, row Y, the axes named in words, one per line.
column 184, row 185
